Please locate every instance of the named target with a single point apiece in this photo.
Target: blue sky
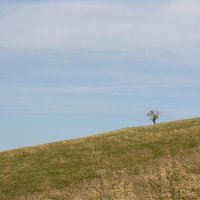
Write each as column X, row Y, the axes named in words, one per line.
column 74, row 68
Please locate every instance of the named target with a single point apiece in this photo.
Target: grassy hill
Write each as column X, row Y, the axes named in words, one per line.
column 152, row 162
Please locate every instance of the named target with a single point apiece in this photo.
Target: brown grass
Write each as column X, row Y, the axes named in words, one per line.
column 150, row 163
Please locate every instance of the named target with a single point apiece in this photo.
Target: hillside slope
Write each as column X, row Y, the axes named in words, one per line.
column 152, row 162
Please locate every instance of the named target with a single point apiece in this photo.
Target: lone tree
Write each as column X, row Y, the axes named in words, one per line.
column 153, row 115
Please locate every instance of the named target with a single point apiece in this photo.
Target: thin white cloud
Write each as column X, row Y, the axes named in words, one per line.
column 100, row 25
column 122, row 86
column 66, row 90
column 183, row 7
column 47, row 111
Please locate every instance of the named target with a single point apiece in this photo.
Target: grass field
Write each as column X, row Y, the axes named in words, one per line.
column 153, row 162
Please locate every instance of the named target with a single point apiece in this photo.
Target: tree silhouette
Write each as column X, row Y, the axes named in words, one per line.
column 153, row 115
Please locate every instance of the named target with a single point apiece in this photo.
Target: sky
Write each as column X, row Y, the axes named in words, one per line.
column 72, row 68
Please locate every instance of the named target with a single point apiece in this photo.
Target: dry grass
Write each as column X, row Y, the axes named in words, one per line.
column 153, row 162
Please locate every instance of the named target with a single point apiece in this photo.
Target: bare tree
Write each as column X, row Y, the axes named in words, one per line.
column 153, row 115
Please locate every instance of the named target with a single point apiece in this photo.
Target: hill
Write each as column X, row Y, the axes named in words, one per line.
column 142, row 163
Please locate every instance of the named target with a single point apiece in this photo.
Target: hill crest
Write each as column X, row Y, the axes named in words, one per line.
column 151, row 162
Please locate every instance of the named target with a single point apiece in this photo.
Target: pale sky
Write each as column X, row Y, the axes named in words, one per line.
column 74, row 68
